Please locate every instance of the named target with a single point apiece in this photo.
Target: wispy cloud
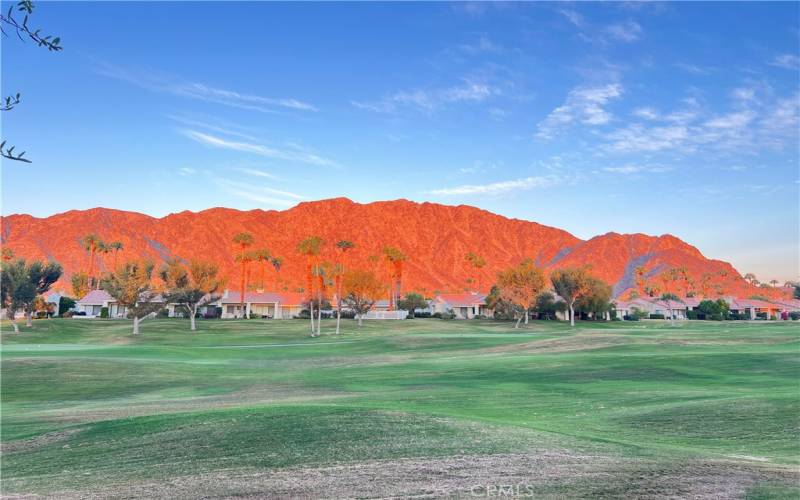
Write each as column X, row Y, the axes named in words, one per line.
column 260, row 194
column 646, row 113
column 786, row 61
column 585, row 105
column 221, row 129
column 694, row 69
column 430, row 99
column 754, row 123
column 295, row 155
column 624, row 31
column 483, row 45
column 574, row 17
column 501, row 187
column 187, row 171
column 635, row 169
column 161, row 82
column 628, row 31
column 255, row 172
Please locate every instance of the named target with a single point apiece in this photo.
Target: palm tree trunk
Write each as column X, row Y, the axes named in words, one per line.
column 311, row 313
column 338, row 312
column 241, row 285
column 28, row 318
column 136, row 325
column 192, row 314
column 526, row 316
column 15, row 325
column 572, row 315
column 319, row 311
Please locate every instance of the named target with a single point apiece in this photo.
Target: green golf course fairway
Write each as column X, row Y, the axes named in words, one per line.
column 424, row 407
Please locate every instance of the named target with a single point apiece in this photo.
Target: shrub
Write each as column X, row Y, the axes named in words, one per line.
column 630, row 318
column 447, row 315
column 479, row 316
column 65, row 304
column 716, row 317
column 656, row 316
column 425, row 314
column 103, row 312
column 348, row 314
column 761, row 315
column 692, row 314
column 794, row 315
column 164, row 313
column 41, row 314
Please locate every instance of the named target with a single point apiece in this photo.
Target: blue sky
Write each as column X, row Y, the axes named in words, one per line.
column 653, row 118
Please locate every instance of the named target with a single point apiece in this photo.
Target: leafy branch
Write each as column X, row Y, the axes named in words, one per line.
column 10, row 102
column 22, row 29
column 9, row 153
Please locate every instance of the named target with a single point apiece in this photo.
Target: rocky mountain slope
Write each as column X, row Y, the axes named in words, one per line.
column 435, row 238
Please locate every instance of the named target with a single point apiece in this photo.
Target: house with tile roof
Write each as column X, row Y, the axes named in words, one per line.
column 463, row 305
column 271, row 305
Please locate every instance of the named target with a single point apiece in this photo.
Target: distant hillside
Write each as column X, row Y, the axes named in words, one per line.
column 435, row 238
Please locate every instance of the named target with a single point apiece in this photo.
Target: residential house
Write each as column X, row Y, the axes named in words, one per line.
column 277, row 305
column 463, row 305
column 752, row 307
column 94, row 301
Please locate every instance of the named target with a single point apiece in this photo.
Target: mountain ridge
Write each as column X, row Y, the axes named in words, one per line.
column 435, row 237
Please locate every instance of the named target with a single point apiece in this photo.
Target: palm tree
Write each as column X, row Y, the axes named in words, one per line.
column 773, row 282
column 395, row 258
column 477, row 263
column 244, row 240
column 104, row 249
column 262, row 256
column 8, row 254
column 343, row 246
column 91, row 242
column 311, row 248
column 115, row 246
column 276, row 262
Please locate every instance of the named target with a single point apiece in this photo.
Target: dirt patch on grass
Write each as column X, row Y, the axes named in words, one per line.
column 36, row 442
column 543, row 474
column 566, row 344
column 113, row 410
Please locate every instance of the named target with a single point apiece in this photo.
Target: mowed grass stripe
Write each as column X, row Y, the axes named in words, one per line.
column 696, row 389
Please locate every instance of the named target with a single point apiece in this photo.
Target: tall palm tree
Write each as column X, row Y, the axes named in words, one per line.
column 115, row 246
column 262, row 256
column 343, row 246
column 243, row 240
column 477, row 262
column 395, row 258
column 276, row 262
column 91, row 242
column 102, row 249
column 311, row 247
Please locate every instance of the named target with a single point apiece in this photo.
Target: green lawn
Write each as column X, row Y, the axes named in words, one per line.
column 603, row 409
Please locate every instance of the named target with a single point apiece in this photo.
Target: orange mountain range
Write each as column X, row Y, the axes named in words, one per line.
column 435, row 238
